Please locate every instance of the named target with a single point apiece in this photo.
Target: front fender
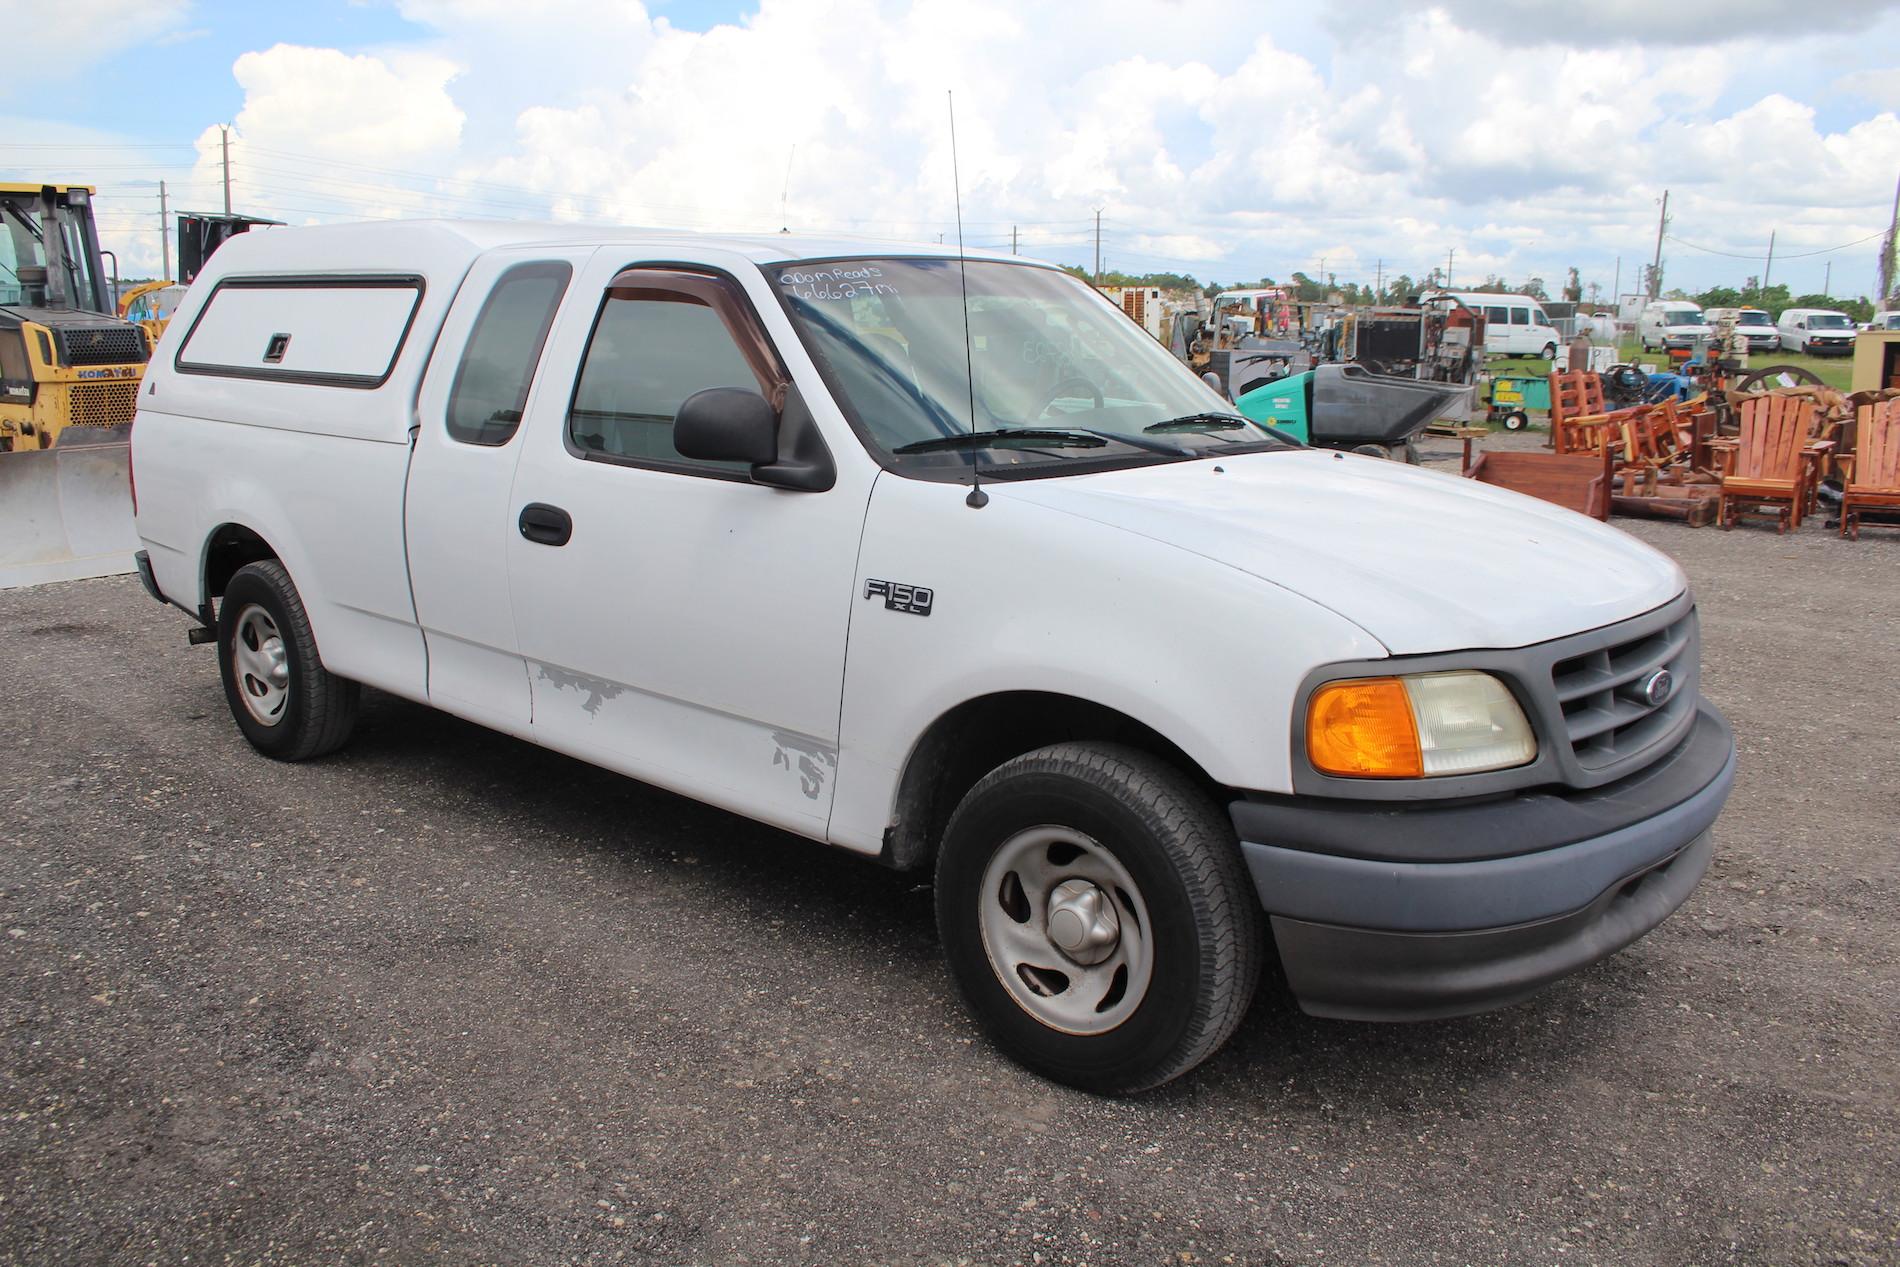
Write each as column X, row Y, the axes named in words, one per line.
column 1029, row 599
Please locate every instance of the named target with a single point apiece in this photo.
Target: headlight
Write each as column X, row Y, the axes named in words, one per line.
column 1419, row 725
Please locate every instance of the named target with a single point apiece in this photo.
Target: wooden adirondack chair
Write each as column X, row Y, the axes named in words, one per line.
column 1873, row 474
column 1769, row 471
column 1575, row 394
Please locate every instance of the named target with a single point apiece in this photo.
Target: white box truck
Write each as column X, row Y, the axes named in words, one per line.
column 1149, row 687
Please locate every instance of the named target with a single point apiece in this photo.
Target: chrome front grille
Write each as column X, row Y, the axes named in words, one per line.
column 1606, row 694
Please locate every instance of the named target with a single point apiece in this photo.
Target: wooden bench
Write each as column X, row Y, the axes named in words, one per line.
column 1578, row 481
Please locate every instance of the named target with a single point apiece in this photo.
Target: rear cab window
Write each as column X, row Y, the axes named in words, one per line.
column 491, row 384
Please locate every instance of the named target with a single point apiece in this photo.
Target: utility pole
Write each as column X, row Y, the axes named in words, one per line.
column 1449, row 257
column 164, row 233
column 1655, row 269
column 1378, row 282
column 1827, row 278
column 1012, row 239
column 1098, row 246
column 1887, row 252
column 1769, row 266
column 1616, row 288
column 224, row 139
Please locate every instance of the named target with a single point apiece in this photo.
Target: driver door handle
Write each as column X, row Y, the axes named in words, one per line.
column 545, row 525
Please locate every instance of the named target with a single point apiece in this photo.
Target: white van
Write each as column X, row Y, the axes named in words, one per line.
column 762, row 521
column 1751, row 323
column 1816, row 331
column 1672, row 323
column 1514, row 325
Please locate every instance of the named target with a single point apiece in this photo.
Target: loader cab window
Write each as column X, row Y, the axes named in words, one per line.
column 661, row 336
column 19, row 248
column 491, row 385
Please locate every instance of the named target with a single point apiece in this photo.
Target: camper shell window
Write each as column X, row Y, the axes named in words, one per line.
column 338, row 331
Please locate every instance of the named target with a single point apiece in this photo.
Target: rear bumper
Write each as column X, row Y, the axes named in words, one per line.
column 143, row 561
column 1548, row 884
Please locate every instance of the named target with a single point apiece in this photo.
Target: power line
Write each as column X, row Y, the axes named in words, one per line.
column 1755, row 255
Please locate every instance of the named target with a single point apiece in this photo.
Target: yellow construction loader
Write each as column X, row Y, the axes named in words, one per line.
column 69, row 379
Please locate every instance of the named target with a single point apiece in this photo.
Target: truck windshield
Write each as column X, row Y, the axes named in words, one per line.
column 1046, row 354
column 1750, row 317
column 1828, row 321
column 1676, row 319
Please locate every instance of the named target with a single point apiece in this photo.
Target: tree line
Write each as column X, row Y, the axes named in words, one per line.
column 1402, row 287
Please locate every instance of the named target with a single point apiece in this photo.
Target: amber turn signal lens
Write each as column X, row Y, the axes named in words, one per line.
column 1363, row 729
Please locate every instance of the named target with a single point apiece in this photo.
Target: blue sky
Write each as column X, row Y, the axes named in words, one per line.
column 1230, row 138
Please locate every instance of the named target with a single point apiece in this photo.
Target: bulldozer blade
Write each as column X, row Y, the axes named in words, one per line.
column 65, row 513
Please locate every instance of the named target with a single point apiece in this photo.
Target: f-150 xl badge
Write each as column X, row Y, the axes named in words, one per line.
column 914, row 599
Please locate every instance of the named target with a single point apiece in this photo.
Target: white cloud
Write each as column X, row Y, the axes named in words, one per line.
column 1605, row 23
column 366, row 109
column 50, row 42
column 1881, row 87
column 1219, row 136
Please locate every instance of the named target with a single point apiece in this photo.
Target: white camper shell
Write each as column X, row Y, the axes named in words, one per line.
column 704, row 511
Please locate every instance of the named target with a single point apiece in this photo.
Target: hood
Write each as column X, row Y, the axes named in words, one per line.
column 1422, row 561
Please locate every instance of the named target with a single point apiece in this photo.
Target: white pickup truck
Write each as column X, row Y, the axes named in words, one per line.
column 949, row 564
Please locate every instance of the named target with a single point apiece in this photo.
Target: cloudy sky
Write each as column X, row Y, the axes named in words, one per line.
column 1227, row 138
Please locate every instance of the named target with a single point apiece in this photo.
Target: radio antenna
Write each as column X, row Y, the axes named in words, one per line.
column 977, row 499
column 786, row 193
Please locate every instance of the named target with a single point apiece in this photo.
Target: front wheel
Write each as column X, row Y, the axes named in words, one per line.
column 287, row 704
column 1550, row 351
column 1516, row 420
column 1096, row 916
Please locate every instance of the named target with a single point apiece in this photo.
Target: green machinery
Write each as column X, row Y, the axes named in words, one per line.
column 1514, row 395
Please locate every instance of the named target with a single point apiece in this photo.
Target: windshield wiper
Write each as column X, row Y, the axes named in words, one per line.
column 1198, row 422
column 981, row 439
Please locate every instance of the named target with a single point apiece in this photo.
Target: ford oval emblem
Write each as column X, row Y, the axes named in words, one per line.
column 1658, row 687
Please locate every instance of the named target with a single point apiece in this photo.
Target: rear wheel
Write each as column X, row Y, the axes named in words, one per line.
column 1516, row 420
column 1096, row 916
column 287, row 704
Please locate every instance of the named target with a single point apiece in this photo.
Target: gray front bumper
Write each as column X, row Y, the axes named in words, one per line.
column 1378, row 938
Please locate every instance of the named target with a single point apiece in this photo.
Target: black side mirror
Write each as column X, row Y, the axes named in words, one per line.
column 727, row 424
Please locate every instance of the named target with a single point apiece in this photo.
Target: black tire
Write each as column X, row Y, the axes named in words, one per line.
column 1410, row 452
column 1178, row 848
column 1516, row 420
column 1550, row 351
column 317, row 709
column 1372, row 450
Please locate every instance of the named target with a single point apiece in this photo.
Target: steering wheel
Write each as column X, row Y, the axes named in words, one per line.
column 1060, row 390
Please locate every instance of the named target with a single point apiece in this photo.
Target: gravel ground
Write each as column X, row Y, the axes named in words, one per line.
column 448, row 998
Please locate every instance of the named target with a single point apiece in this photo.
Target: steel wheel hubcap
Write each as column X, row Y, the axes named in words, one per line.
column 261, row 665
column 1066, row 930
